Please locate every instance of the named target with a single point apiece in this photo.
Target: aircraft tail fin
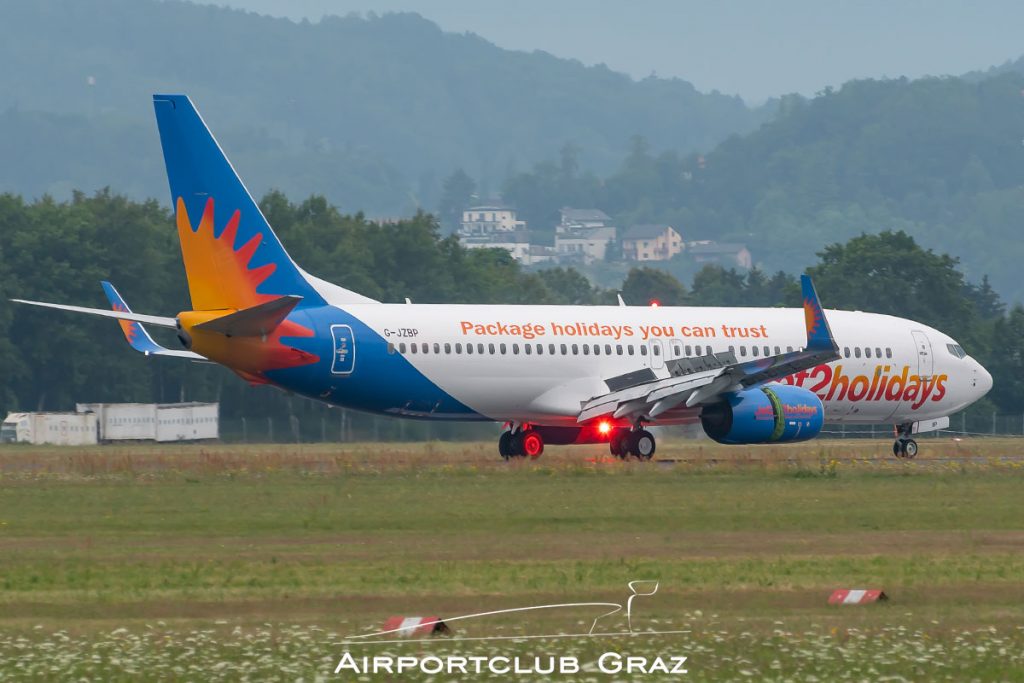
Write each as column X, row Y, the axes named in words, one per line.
column 233, row 259
column 819, row 334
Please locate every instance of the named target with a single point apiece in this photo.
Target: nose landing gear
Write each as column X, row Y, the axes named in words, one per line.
column 904, row 446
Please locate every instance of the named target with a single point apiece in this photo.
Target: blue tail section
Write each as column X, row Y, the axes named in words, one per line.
column 819, row 334
column 232, row 257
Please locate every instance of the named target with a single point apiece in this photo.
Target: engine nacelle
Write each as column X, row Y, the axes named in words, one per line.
column 773, row 413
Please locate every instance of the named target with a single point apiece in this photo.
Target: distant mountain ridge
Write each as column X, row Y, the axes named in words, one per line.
column 373, row 112
column 939, row 158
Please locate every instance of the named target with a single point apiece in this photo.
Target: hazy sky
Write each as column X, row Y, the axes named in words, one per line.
column 754, row 49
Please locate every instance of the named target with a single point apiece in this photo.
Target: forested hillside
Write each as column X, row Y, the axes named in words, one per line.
column 373, row 113
column 941, row 158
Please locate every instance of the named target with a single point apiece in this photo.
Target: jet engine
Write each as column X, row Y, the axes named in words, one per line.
column 773, row 413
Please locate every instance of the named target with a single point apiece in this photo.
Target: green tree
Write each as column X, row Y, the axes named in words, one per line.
column 644, row 285
column 1006, row 362
column 890, row 273
column 569, row 286
column 714, row 285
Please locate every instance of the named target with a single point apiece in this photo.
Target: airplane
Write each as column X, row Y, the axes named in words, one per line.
column 553, row 375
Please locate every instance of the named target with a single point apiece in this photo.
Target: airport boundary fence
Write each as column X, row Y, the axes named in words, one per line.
column 347, row 426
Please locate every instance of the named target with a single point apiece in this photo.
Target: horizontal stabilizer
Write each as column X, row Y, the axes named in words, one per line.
column 136, row 335
column 157, row 320
column 253, row 322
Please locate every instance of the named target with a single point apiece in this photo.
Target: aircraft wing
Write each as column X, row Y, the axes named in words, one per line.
column 703, row 379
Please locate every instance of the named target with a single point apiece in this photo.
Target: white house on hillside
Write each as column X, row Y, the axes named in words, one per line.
column 489, row 219
column 723, row 253
column 584, row 244
column 583, row 235
column 583, row 218
column 651, row 243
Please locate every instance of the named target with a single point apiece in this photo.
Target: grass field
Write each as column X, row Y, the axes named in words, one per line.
column 226, row 562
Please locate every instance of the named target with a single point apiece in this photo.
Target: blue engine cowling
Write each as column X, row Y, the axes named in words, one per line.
column 773, row 413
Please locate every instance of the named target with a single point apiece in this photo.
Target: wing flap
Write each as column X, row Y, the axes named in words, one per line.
column 636, row 399
column 703, row 379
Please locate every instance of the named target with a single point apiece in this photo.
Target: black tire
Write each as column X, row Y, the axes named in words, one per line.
column 505, row 445
column 617, row 443
column 897, row 449
column 643, row 444
column 628, row 446
column 516, row 445
column 909, row 449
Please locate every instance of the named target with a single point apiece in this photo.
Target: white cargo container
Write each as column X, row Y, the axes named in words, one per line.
column 62, row 429
column 187, row 421
column 155, row 421
column 123, row 421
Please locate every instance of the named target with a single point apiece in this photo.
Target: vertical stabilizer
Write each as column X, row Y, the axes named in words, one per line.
column 233, row 260
column 819, row 334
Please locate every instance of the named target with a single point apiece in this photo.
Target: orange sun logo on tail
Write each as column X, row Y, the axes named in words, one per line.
column 220, row 279
column 812, row 317
column 219, row 275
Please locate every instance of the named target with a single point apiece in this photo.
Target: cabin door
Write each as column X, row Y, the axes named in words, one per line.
column 925, row 360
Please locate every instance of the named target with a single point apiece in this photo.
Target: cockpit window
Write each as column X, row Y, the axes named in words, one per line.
column 956, row 350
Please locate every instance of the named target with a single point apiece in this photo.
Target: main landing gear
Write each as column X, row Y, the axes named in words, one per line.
column 520, row 442
column 637, row 442
column 904, row 446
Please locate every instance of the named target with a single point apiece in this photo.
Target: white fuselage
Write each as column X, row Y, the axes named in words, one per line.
column 540, row 363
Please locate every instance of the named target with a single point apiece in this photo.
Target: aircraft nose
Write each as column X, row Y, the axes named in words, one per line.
column 982, row 380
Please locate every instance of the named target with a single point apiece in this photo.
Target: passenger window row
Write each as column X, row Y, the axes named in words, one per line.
column 866, row 352
column 678, row 350
column 757, row 351
column 515, row 349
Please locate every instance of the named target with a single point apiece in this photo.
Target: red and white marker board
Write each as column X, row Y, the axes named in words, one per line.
column 406, row 627
column 856, row 596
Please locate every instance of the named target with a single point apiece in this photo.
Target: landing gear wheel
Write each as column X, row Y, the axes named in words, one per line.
column 641, row 444
column 516, row 445
column 904, row 447
column 531, row 444
column 619, row 444
column 505, row 445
